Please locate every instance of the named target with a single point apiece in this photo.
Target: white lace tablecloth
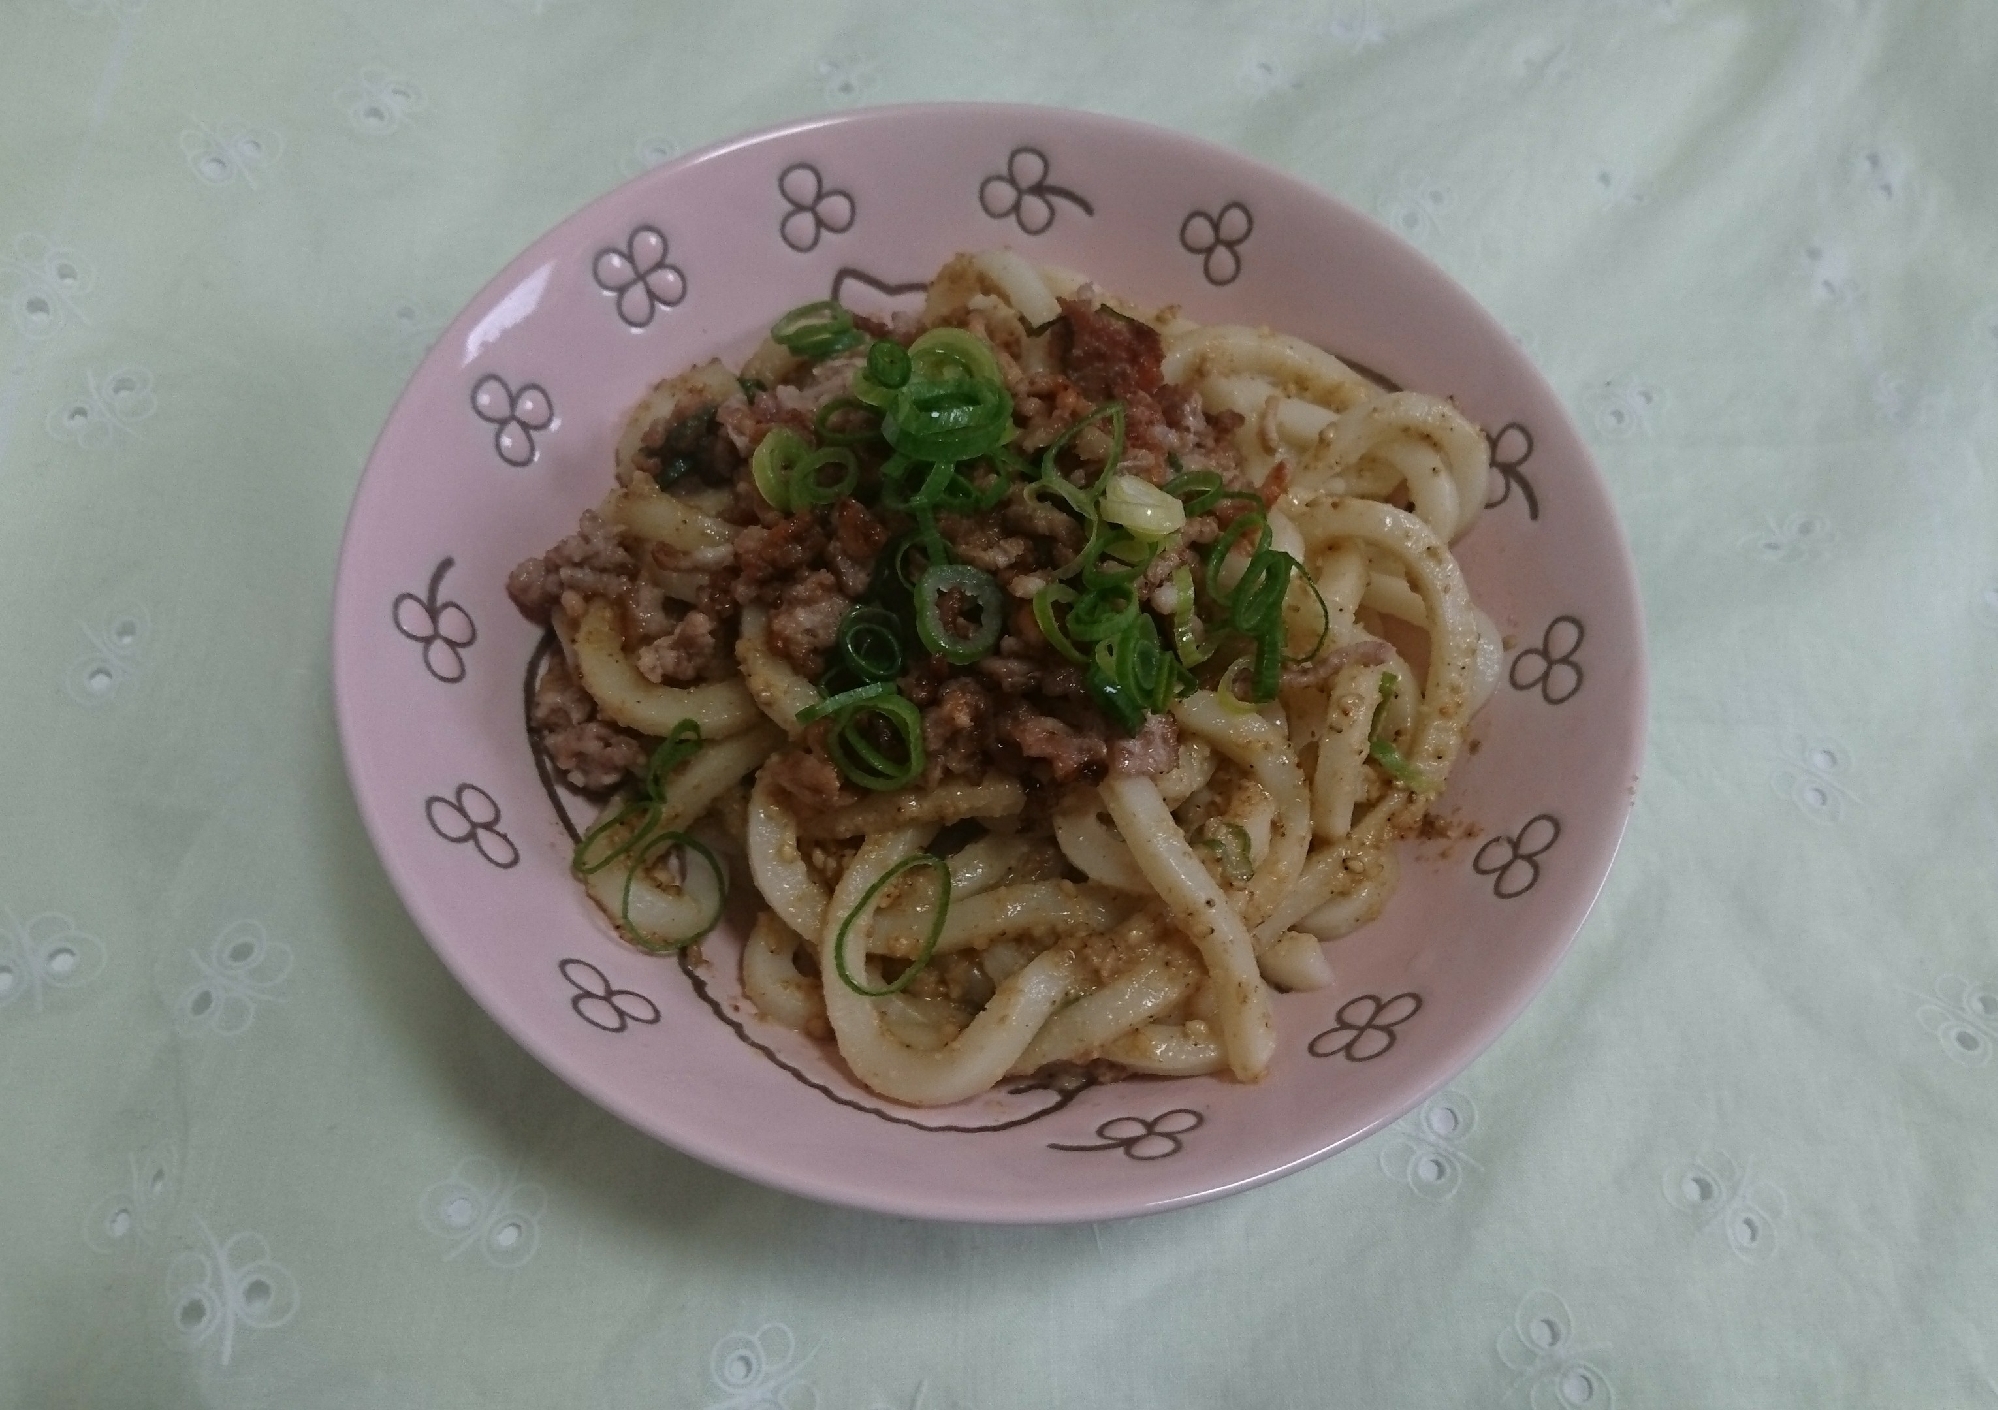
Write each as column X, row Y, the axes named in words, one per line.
column 258, row 1149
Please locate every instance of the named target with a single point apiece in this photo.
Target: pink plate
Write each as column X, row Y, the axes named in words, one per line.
column 505, row 434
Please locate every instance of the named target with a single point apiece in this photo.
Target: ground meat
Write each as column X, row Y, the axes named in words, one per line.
column 955, row 733
column 1025, row 516
column 857, row 539
column 766, row 557
column 690, row 441
column 684, row 655
column 983, row 544
column 592, row 754
column 1359, row 653
column 590, row 561
column 645, row 615
column 807, row 779
column 1068, row 753
column 806, row 621
column 1112, row 356
column 1153, row 750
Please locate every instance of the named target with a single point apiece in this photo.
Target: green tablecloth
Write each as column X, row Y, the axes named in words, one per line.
column 257, row 1148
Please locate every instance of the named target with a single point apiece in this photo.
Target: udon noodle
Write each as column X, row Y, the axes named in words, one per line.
column 1061, row 673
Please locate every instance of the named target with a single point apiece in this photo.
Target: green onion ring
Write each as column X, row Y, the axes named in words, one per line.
column 816, row 330
column 1044, row 617
column 980, row 587
column 922, row 959
column 777, row 455
column 806, row 488
column 828, row 435
column 870, row 643
column 888, row 364
column 860, row 761
column 1104, row 613
column 646, row 853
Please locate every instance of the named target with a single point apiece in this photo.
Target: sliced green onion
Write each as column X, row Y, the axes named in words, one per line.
column 1114, row 699
column 1224, row 689
column 1113, row 411
column 944, row 354
column 645, row 840
column 974, row 583
column 1103, row 613
column 846, row 700
column 949, row 420
column 831, row 435
column 1229, row 842
column 1218, row 553
column 888, row 364
column 1186, row 638
column 650, row 850
column 1324, row 620
column 1145, row 509
column 870, row 643
column 929, row 946
column 807, row 487
column 778, row 454
column 1403, row 772
column 1121, row 561
column 1199, row 490
column 817, row 330
column 861, row 761
column 1257, row 598
column 1044, row 617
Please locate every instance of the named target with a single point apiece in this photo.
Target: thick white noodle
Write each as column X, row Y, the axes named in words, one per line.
column 1431, row 488
column 1094, row 847
column 1342, row 749
column 779, row 691
column 1294, row 963
column 627, row 697
column 772, row 982
column 693, row 788
column 1097, row 852
column 1381, row 420
column 703, row 541
column 1452, row 624
column 1342, row 915
column 1489, row 662
column 1169, row 1050
column 657, row 911
column 995, row 796
column 1264, row 750
column 1291, row 365
column 1335, row 870
column 1078, row 1032
column 711, row 382
column 1248, row 1028
column 1020, row 284
column 777, row 864
column 1042, row 910
column 972, row 1061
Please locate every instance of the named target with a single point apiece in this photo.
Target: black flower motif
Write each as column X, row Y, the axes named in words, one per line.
column 639, row 276
column 514, row 416
column 1551, row 666
column 602, row 1004
column 1141, row 1138
column 442, row 629
column 471, row 815
column 1365, row 1027
column 814, row 210
column 1024, row 192
column 1512, row 447
column 1218, row 240
column 1513, row 862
